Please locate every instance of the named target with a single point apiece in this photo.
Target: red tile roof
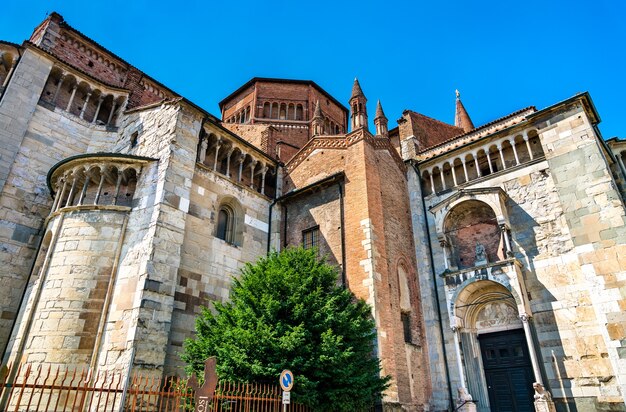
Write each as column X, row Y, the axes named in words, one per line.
column 431, row 132
column 423, row 149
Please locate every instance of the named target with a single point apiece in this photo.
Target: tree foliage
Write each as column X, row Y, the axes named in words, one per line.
column 287, row 312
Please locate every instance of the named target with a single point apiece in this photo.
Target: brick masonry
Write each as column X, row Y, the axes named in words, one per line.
column 118, row 286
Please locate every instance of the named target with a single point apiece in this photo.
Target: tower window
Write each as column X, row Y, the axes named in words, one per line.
column 310, row 237
column 134, row 139
column 225, row 223
column 406, row 326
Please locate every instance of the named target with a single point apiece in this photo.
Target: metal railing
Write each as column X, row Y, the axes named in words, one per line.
column 55, row 389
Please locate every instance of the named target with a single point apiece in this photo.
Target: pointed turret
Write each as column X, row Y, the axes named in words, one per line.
column 358, row 105
column 461, row 118
column 380, row 121
column 356, row 89
column 317, row 122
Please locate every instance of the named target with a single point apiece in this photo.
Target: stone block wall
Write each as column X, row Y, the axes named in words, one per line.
column 43, row 138
column 151, row 257
column 433, row 338
column 566, row 220
column 73, row 284
column 591, row 367
column 208, row 264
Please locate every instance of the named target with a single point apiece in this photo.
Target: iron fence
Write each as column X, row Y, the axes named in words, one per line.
column 44, row 388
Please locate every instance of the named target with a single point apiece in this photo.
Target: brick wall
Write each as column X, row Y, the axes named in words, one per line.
column 377, row 231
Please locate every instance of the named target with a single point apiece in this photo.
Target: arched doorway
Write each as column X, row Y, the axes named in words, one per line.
column 494, row 348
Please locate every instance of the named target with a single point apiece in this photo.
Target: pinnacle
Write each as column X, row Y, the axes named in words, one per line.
column 379, row 111
column 318, row 110
column 461, row 117
column 356, row 89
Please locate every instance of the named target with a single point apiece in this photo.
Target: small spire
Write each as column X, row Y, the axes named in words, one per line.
column 379, row 111
column 318, row 110
column 380, row 121
column 461, row 118
column 356, row 89
column 317, row 123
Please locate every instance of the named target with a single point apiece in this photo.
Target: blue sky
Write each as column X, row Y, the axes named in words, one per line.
column 502, row 55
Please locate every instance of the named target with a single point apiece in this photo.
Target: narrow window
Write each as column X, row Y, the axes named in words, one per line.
column 134, row 139
column 225, row 224
column 406, row 326
column 310, row 237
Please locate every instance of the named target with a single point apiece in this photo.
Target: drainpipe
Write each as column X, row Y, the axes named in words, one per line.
column 269, row 224
column 434, row 277
column 285, row 226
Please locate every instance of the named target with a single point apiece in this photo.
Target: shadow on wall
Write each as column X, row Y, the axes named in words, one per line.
column 313, row 219
column 524, row 230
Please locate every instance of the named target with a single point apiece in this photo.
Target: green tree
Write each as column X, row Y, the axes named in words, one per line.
column 287, row 312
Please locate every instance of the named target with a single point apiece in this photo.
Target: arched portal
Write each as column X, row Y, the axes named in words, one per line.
column 493, row 345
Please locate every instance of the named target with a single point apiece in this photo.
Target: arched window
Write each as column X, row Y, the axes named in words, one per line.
column 229, row 222
column 225, row 221
column 474, row 235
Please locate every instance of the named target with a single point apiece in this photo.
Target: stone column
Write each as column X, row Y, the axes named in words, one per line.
column 432, row 181
column 11, row 70
column 444, row 248
column 489, row 161
column 453, row 173
column 59, row 195
column 102, row 175
column 56, row 93
column 230, row 152
column 531, row 347
column 620, row 161
column 475, row 156
column 69, row 197
column 459, row 360
column 69, row 103
column 217, row 150
column 263, row 172
column 82, row 111
column 84, row 191
column 543, row 398
column 501, row 156
column 512, row 141
column 202, row 152
column 507, row 243
column 530, row 151
column 465, row 169
column 242, row 158
column 252, row 166
column 95, row 116
column 113, row 106
column 443, row 180
column 117, row 186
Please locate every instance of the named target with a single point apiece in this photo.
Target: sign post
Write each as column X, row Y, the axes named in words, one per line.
column 286, row 382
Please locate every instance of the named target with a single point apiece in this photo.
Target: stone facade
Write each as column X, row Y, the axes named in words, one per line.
column 492, row 256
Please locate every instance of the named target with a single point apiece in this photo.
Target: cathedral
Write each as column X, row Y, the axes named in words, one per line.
column 493, row 256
